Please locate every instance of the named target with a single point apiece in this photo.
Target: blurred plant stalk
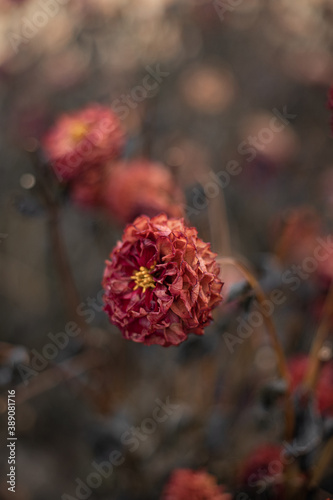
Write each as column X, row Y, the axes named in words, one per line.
column 280, row 356
column 46, row 192
column 311, row 380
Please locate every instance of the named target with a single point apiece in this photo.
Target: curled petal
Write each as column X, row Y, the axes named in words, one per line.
column 161, row 282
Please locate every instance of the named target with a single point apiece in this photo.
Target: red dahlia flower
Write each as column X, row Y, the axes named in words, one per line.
column 142, row 187
column 186, row 484
column 82, row 139
column 161, row 282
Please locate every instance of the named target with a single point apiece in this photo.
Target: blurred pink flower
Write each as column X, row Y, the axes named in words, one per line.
column 161, row 282
column 83, row 139
column 186, row 484
column 142, row 187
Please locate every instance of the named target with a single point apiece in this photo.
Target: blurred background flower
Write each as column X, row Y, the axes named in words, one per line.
column 185, row 484
column 83, row 140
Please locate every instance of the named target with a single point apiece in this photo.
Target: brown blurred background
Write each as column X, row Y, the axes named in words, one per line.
column 222, row 72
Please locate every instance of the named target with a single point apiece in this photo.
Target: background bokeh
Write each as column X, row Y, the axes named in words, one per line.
column 225, row 70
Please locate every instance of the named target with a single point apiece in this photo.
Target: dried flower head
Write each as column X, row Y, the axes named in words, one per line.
column 186, row 484
column 87, row 189
column 83, row 139
column 142, row 187
column 161, row 282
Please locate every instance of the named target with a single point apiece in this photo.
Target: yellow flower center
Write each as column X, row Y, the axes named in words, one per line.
column 78, row 131
column 143, row 278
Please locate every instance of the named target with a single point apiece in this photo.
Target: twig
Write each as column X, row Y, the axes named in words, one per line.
column 71, row 296
column 281, row 360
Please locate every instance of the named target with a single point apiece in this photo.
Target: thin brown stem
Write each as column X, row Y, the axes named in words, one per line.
column 281, row 359
column 311, row 377
column 323, row 462
column 219, row 226
column 70, row 294
column 57, row 374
